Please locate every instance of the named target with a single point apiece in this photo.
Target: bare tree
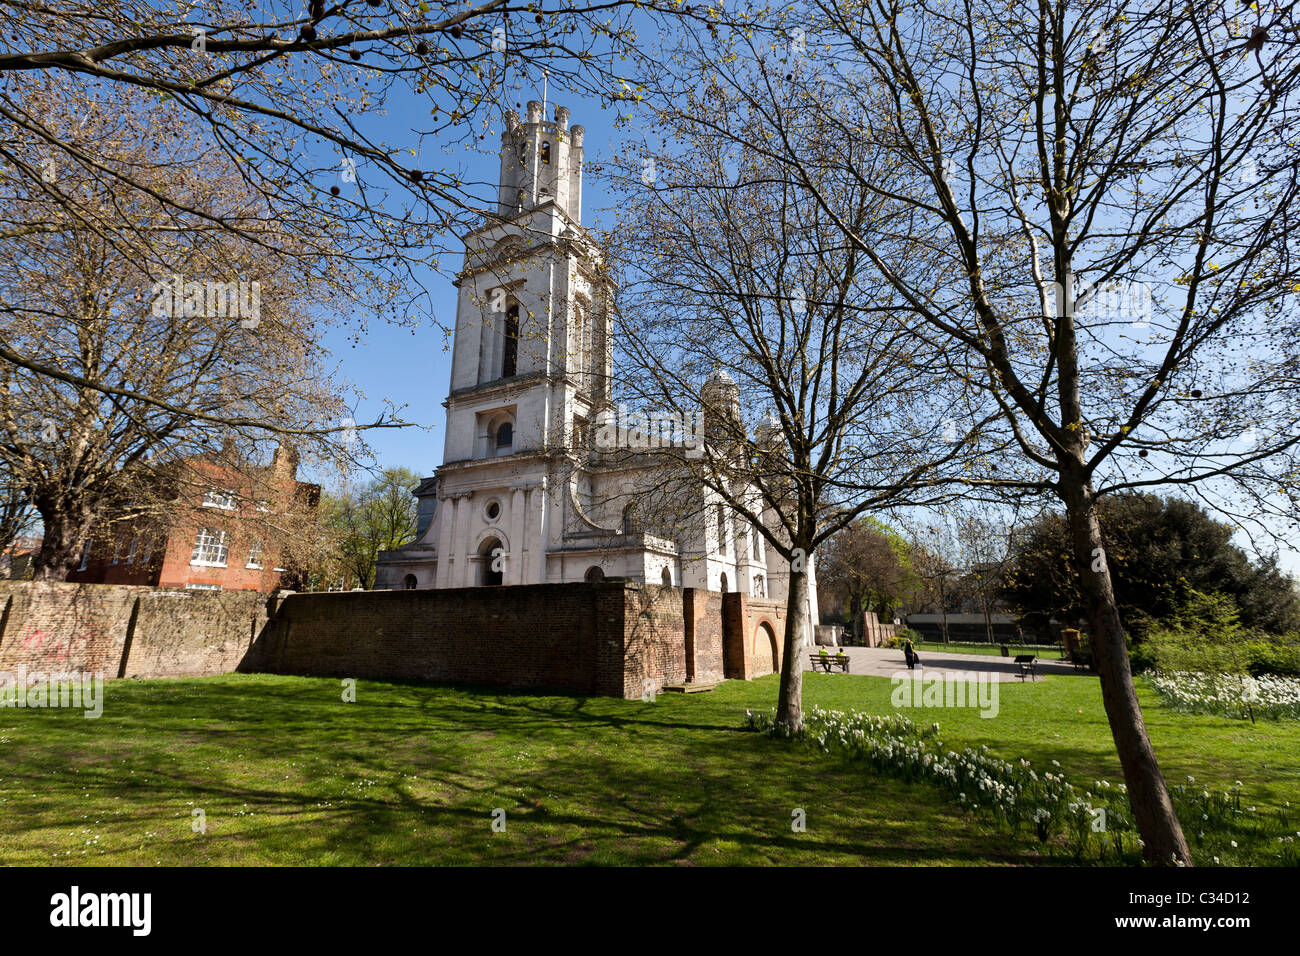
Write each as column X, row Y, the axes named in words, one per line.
column 983, row 542
column 819, row 406
column 15, row 511
column 933, row 560
column 202, row 334
column 1103, row 199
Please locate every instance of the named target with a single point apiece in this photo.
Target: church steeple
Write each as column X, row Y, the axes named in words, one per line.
column 541, row 162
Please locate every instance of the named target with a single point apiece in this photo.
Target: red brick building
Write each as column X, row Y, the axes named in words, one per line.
column 16, row 562
column 226, row 530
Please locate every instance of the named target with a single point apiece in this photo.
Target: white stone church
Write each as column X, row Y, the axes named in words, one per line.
column 525, row 494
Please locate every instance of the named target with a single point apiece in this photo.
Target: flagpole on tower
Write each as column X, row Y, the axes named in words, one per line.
column 545, row 76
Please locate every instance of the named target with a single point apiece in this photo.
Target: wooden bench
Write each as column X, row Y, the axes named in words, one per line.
column 1025, row 664
column 825, row 662
column 1081, row 661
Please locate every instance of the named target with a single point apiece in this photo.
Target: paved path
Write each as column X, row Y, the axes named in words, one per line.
column 886, row 662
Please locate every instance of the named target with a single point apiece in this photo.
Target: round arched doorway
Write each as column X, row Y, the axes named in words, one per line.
column 724, row 582
column 594, row 574
column 410, row 583
column 491, row 557
column 764, row 650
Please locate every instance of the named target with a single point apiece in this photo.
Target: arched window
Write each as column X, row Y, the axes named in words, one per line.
column 724, row 582
column 594, row 574
column 631, row 519
column 492, row 558
column 546, row 154
column 410, row 583
column 722, row 532
column 510, row 350
column 667, row 578
column 505, row 435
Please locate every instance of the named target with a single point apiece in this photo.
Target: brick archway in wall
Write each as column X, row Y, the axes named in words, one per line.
column 750, row 627
column 765, row 651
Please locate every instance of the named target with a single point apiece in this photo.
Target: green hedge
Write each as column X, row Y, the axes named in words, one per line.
column 1262, row 656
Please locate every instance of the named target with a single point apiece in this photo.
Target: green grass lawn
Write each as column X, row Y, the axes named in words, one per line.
column 286, row 773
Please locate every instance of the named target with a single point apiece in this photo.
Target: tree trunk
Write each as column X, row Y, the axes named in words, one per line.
column 789, row 710
column 855, row 616
column 943, row 613
column 64, row 540
column 1157, row 823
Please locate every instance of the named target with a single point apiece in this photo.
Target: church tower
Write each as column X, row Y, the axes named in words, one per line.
column 530, row 364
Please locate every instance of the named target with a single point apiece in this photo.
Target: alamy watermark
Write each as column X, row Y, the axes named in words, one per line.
column 1131, row 301
column 37, row 689
column 642, row 431
column 127, row 910
column 175, row 297
column 946, row 689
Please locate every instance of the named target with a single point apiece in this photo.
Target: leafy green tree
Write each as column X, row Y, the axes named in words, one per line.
column 359, row 521
column 867, row 567
column 1162, row 551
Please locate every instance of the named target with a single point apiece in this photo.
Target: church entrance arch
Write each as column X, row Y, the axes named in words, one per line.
column 491, row 559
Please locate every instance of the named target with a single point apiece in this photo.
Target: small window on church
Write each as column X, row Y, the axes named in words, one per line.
column 410, row 583
column 505, row 435
column 546, row 154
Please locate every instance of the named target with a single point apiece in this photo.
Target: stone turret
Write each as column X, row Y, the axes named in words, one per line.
column 541, row 162
column 768, row 435
column 720, row 398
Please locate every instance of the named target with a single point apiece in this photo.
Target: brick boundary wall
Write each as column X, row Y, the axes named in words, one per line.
column 544, row 636
column 126, row 630
column 613, row 638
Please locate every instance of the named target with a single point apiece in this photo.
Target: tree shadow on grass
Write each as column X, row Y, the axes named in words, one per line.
column 285, row 772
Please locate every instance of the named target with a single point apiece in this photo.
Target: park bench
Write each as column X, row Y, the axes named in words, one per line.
column 1025, row 664
column 826, row 661
column 1081, row 661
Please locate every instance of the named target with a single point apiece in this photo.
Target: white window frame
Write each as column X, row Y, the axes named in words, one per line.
column 259, row 549
column 130, row 552
column 192, row 586
column 220, row 498
column 85, row 554
column 220, row 545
